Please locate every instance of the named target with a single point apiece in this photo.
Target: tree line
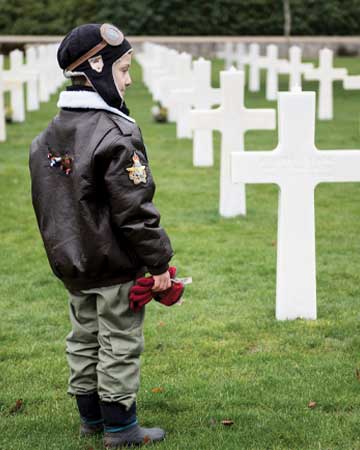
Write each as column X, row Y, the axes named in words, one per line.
column 181, row 17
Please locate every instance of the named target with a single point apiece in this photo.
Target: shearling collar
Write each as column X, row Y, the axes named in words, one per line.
column 87, row 100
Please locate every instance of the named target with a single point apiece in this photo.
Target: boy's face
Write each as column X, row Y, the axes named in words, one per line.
column 121, row 73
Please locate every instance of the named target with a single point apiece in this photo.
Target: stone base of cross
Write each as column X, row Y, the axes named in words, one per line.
column 297, row 167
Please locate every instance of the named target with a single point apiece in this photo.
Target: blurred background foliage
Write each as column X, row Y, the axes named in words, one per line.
column 181, row 17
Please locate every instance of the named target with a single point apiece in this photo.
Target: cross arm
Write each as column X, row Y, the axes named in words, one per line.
column 352, row 82
column 340, row 74
column 263, row 119
column 206, row 119
column 311, row 74
column 338, row 166
column 182, row 95
column 255, row 167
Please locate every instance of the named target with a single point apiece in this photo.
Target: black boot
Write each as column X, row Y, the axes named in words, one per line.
column 90, row 414
column 122, row 429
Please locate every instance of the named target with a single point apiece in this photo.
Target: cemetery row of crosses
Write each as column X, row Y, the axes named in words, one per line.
column 184, row 87
column 38, row 70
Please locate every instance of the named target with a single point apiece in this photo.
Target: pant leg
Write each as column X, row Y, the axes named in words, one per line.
column 82, row 344
column 121, row 343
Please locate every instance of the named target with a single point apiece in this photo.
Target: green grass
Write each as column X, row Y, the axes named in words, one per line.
column 222, row 354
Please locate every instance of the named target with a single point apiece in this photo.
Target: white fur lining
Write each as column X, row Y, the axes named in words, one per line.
column 87, row 99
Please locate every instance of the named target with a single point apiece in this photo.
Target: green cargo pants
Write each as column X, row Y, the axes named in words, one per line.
column 103, row 349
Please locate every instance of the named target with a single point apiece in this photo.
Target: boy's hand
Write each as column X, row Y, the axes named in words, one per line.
column 161, row 282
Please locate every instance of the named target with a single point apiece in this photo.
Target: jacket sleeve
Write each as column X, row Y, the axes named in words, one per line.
column 132, row 210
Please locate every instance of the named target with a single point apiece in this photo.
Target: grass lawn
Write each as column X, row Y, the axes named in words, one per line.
column 221, row 355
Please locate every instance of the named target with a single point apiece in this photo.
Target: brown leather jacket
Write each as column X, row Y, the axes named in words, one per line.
column 96, row 217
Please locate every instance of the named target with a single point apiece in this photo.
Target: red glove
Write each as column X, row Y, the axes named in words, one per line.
column 141, row 293
column 173, row 294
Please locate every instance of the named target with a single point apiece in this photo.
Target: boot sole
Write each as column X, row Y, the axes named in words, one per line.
column 133, row 445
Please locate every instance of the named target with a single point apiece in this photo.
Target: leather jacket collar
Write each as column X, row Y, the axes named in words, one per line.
column 84, row 97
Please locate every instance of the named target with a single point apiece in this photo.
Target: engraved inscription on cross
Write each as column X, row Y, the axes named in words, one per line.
column 232, row 119
column 297, row 167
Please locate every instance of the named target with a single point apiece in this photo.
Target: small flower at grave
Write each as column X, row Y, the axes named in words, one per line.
column 8, row 114
column 159, row 113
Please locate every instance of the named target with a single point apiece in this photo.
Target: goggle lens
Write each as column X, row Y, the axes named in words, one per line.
column 111, row 35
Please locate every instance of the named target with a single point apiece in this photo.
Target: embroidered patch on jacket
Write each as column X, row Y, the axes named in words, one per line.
column 137, row 173
column 64, row 162
column 96, row 63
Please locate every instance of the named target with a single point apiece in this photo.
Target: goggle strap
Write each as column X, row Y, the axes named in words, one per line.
column 87, row 55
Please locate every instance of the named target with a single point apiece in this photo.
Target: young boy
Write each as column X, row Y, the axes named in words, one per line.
column 92, row 192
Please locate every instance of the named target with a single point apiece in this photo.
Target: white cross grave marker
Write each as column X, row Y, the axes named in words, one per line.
column 227, row 54
column 31, row 63
column 180, row 74
column 14, row 84
column 297, row 167
column 201, row 96
column 166, row 71
column 254, row 67
column 45, row 85
column 28, row 76
column 241, row 56
column 2, row 104
column 326, row 74
column 156, row 62
column 205, row 97
column 294, row 67
column 232, row 119
column 182, row 79
column 272, row 64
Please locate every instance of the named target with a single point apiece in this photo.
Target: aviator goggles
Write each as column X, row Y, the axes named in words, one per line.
column 110, row 35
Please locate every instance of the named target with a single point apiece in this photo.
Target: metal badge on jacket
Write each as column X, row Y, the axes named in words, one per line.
column 137, row 173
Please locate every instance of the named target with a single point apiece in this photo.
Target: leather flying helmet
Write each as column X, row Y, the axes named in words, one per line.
column 92, row 50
